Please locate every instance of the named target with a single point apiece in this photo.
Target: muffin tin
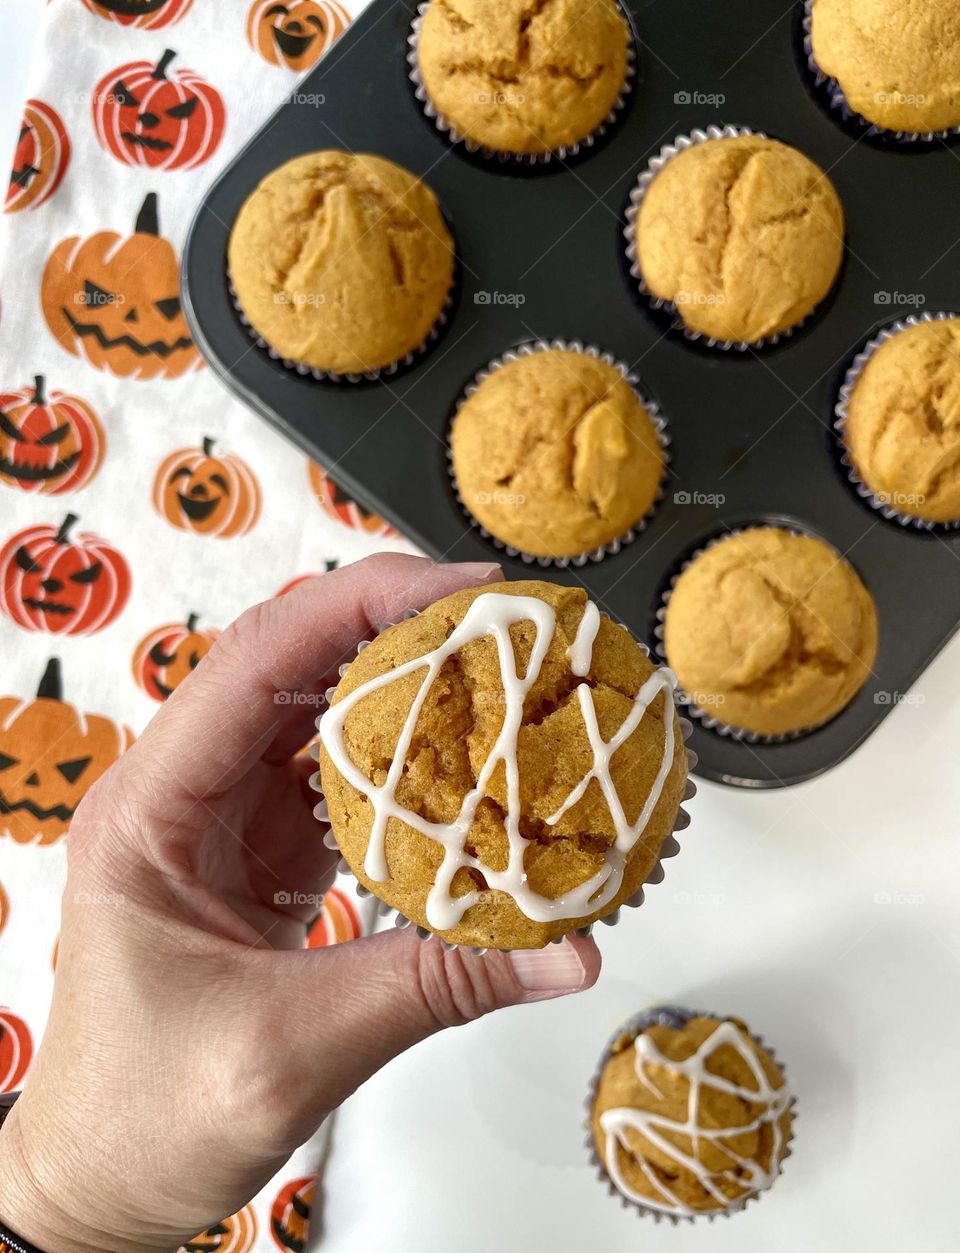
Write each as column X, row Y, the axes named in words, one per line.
column 542, row 256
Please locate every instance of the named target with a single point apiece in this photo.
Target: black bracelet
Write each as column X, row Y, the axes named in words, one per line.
column 9, row 1242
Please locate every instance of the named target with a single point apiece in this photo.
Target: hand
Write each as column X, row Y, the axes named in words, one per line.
column 193, row 1042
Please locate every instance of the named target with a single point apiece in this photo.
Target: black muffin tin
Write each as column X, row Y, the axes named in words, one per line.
column 753, row 427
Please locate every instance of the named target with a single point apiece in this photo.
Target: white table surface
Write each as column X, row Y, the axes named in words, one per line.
column 827, row 915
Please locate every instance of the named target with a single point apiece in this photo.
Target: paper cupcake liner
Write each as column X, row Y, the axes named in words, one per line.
column 639, row 190
column 520, row 159
column 705, row 719
column 675, row 1017
column 669, row 848
column 330, row 376
column 842, row 410
column 652, row 408
column 838, row 100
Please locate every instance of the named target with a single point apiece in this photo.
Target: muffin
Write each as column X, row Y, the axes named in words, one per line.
column 470, row 800
column 668, row 1073
column 555, row 454
column 901, row 425
column 770, row 632
column 742, row 235
column 341, row 262
column 522, row 79
column 896, row 62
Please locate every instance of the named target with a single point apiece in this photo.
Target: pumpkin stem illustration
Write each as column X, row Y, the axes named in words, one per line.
column 63, row 535
column 148, row 219
column 192, row 622
column 51, row 685
column 39, row 395
column 161, row 67
column 208, row 446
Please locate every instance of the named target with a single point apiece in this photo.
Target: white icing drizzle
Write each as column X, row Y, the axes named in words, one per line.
column 493, row 613
column 656, row 1128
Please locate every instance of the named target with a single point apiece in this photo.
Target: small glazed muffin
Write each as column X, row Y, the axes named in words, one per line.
column 425, row 806
column 770, row 632
column 341, row 262
column 515, row 77
column 669, row 1074
column 555, row 454
column 744, row 235
column 902, row 428
column 897, row 62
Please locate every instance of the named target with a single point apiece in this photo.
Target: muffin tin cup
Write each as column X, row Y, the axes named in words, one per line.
column 668, row 849
column 670, row 1016
column 330, row 376
column 519, row 159
column 838, row 100
column 639, row 190
column 653, row 409
column 842, row 410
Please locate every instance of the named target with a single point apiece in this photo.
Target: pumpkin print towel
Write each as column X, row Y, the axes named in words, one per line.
column 141, row 507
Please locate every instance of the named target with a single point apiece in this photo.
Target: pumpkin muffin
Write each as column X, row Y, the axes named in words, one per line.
column 770, row 632
column 555, row 455
column 741, row 234
column 669, row 1073
column 419, row 747
column 902, row 423
column 897, row 62
column 341, row 262
column 520, row 78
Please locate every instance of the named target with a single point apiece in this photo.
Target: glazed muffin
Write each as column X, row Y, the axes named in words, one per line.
column 742, row 234
column 341, row 262
column 670, row 1072
column 555, row 454
column 897, row 62
column 522, row 79
column 902, row 424
column 770, row 632
column 426, row 807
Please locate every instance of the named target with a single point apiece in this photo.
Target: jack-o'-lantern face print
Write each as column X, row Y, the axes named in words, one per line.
column 236, row 1234
column 210, row 494
column 41, row 158
column 336, row 504
column 167, row 656
column 295, row 35
column 144, row 14
column 48, row 444
column 115, row 301
column 290, row 1214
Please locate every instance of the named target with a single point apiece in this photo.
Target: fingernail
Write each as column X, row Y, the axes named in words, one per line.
column 546, row 972
column 478, row 570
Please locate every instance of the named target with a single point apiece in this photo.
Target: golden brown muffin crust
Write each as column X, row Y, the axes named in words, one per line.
column 743, row 234
column 455, row 731
column 555, row 455
column 897, row 61
column 341, row 261
column 903, row 421
column 523, row 76
column 770, row 632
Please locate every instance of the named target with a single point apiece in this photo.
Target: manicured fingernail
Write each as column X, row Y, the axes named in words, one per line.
column 546, row 972
column 478, row 570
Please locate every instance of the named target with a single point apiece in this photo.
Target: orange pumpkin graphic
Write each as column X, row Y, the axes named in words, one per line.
column 50, row 755
column 337, row 505
column 166, row 656
column 162, row 119
column 290, row 1214
column 236, row 1234
column 337, row 922
column 4, row 907
column 115, row 301
column 49, row 444
column 212, row 495
column 145, row 14
column 65, row 584
column 41, row 158
column 16, row 1050
column 295, row 35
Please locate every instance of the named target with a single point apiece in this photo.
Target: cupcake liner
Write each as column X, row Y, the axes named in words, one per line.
column 639, row 190
column 652, row 408
column 330, row 376
column 705, row 719
column 675, row 1017
column 669, row 848
column 842, row 409
column 838, row 100
column 518, row 159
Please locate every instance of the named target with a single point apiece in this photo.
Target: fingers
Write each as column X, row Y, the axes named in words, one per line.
column 241, row 703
